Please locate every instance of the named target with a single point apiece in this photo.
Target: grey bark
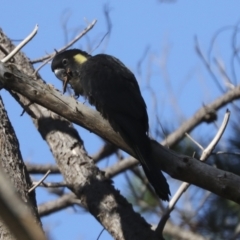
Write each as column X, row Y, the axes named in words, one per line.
column 12, row 164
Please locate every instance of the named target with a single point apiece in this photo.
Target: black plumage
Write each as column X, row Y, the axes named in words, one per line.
column 113, row 89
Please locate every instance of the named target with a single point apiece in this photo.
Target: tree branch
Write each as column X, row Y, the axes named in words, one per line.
column 42, row 169
column 62, row 202
column 184, row 186
column 180, row 167
column 17, row 216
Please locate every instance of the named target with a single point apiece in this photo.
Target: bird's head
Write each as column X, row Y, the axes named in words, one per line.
column 66, row 65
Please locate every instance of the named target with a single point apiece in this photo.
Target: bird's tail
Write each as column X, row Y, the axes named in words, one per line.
column 154, row 174
column 138, row 140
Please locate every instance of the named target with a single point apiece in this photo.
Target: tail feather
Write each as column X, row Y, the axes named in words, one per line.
column 154, row 175
column 159, row 182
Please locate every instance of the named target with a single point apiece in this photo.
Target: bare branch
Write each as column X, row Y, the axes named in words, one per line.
column 106, row 151
column 42, row 169
column 120, row 167
column 199, row 116
column 106, row 11
column 15, row 214
column 207, row 151
column 184, row 186
column 39, row 182
column 195, row 142
column 227, row 153
column 21, row 45
column 50, row 56
column 226, row 78
column 80, row 114
column 12, row 163
column 56, row 205
column 208, row 66
column 52, row 184
column 215, row 36
column 100, row 233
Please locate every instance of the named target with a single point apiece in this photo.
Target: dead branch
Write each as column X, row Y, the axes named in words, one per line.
column 12, row 164
column 42, row 169
column 184, row 186
column 62, row 202
column 181, row 167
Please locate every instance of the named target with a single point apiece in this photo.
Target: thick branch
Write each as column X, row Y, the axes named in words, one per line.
column 42, row 169
column 16, row 215
column 12, row 164
column 181, row 167
column 56, row 205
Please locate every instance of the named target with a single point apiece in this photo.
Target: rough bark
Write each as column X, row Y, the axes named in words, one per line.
column 95, row 192
column 12, row 164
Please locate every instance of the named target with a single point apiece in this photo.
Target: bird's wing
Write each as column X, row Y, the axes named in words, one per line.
column 114, row 90
column 111, row 87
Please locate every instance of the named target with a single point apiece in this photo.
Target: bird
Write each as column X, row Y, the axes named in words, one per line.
column 114, row 91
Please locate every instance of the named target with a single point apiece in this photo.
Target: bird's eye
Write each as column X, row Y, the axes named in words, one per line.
column 64, row 61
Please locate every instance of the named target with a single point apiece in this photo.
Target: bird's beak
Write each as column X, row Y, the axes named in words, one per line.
column 60, row 73
column 63, row 76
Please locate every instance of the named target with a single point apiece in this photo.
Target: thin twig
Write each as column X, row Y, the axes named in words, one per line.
column 184, row 186
column 227, row 153
column 194, row 141
column 20, row 45
column 5, row 52
column 208, row 66
column 50, row 184
column 46, row 57
column 106, row 11
column 51, row 56
column 206, row 153
column 226, row 78
column 40, row 181
column 235, row 51
column 100, row 234
column 214, row 38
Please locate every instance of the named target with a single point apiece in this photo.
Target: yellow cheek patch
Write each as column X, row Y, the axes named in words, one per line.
column 80, row 58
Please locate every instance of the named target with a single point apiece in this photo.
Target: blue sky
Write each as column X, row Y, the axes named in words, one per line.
column 169, row 31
